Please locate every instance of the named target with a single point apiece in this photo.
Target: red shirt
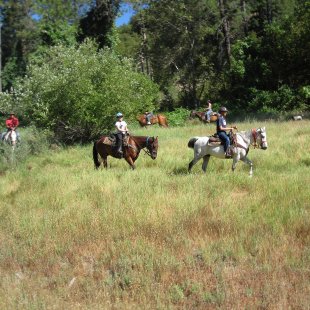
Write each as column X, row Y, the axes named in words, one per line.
column 12, row 122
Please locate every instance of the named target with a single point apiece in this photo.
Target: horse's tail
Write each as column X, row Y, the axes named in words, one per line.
column 191, row 142
column 95, row 156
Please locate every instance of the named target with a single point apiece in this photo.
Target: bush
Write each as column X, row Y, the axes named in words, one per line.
column 33, row 142
column 178, row 117
column 282, row 100
column 76, row 92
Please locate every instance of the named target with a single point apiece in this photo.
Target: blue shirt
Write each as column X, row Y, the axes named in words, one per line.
column 221, row 122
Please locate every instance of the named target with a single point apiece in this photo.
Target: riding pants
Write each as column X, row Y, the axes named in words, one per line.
column 224, row 137
column 208, row 114
column 148, row 117
column 119, row 141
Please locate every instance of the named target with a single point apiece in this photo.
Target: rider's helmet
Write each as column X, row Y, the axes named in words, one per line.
column 119, row 114
column 223, row 109
column 12, row 113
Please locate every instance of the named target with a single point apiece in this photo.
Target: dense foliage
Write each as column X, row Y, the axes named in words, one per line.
column 247, row 54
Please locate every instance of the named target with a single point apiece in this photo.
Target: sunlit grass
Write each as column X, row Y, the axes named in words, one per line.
column 158, row 237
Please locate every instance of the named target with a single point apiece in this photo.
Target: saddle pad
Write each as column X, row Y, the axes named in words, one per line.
column 214, row 143
column 107, row 141
column 214, row 139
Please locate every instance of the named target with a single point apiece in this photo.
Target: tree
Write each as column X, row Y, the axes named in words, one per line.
column 99, row 21
column 19, row 39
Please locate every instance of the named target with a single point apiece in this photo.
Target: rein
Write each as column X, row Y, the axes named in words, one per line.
column 254, row 135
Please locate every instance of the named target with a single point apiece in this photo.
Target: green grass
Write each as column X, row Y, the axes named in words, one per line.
column 158, row 237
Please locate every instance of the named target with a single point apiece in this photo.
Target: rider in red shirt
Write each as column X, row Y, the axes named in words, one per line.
column 11, row 124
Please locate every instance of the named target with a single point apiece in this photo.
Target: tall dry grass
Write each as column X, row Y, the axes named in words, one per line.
column 158, row 237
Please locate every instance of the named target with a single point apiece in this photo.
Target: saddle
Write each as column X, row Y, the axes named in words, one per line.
column 215, row 140
column 111, row 140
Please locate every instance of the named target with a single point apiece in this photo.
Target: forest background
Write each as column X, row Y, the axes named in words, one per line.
column 67, row 68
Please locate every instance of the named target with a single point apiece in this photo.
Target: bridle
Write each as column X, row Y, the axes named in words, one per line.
column 254, row 135
column 147, row 151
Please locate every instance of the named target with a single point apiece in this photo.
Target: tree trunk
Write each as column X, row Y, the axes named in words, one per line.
column 244, row 16
column 269, row 11
column 226, row 30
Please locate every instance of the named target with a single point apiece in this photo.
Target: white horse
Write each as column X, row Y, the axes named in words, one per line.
column 11, row 138
column 203, row 148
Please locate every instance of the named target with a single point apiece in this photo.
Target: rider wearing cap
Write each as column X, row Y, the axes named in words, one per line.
column 221, row 129
column 11, row 124
column 121, row 127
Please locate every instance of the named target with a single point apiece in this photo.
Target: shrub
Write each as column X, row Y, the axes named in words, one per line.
column 33, row 142
column 178, row 117
column 284, row 99
column 76, row 92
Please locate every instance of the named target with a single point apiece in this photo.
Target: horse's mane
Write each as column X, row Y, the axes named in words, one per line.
column 244, row 134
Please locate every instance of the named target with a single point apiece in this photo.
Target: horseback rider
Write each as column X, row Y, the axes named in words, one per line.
column 148, row 117
column 11, row 124
column 221, row 129
column 208, row 111
column 121, row 127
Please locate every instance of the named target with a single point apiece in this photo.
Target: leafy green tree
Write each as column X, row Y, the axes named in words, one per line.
column 76, row 92
column 129, row 42
column 19, row 38
column 99, row 21
column 175, row 45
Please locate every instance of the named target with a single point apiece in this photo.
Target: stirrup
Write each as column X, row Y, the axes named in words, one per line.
column 228, row 154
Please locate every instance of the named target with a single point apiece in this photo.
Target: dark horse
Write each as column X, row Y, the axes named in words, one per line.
column 159, row 119
column 202, row 116
column 131, row 151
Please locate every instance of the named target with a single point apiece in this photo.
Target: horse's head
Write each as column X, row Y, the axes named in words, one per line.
column 152, row 147
column 192, row 114
column 262, row 138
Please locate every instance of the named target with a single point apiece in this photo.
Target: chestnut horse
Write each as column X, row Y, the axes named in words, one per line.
column 159, row 119
column 202, row 116
column 131, row 151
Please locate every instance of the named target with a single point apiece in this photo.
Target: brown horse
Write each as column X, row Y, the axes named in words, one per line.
column 131, row 151
column 159, row 119
column 202, row 116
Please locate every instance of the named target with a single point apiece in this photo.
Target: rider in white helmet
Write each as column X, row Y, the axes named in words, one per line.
column 121, row 130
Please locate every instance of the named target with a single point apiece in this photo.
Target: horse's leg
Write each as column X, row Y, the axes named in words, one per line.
column 236, row 158
column 193, row 162
column 205, row 162
column 130, row 162
column 105, row 161
column 249, row 162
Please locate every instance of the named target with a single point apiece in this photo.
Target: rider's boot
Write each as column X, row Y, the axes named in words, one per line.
column 119, row 150
column 228, row 153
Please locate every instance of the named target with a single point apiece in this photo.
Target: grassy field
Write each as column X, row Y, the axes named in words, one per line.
column 158, row 237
